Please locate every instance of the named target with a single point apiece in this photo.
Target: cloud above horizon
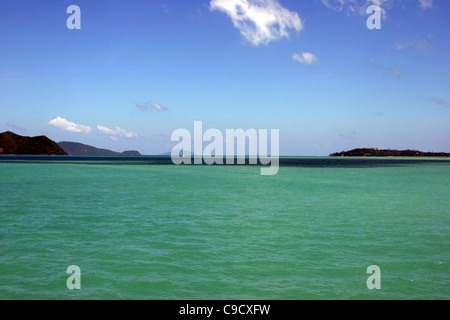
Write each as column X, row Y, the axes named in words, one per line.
column 13, row 126
column 116, row 132
column 259, row 21
column 305, row 58
column 158, row 107
column 67, row 125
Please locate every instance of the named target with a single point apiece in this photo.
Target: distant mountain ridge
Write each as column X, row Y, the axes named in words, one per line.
column 80, row 149
column 11, row 143
column 373, row 152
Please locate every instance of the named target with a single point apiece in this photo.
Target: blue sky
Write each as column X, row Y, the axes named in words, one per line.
column 137, row 70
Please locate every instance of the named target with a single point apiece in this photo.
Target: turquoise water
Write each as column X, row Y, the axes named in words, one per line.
column 223, row 232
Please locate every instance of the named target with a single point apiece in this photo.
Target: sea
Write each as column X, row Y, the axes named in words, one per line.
column 142, row 228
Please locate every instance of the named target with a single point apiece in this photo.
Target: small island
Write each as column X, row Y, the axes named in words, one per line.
column 374, row 152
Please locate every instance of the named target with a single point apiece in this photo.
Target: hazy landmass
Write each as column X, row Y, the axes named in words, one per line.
column 79, row 149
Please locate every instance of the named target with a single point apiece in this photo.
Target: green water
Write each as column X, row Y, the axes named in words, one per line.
column 223, row 232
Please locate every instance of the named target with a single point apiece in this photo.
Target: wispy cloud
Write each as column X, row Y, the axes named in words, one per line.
column 14, row 127
column 321, row 145
column 66, row 125
column 426, row 4
column 157, row 106
column 142, row 107
column 154, row 105
column 12, row 79
column 164, row 8
column 393, row 73
column 419, row 43
column 341, row 5
column 360, row 6
column 259, row 21
column 116, row 132
column 349, row 136
column 442, row 103
column 305, row 58
column 357, row 6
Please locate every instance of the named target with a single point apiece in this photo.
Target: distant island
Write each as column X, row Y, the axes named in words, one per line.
column 374, row 152
column 14, row 144
column 11, row 143
column 79, row 149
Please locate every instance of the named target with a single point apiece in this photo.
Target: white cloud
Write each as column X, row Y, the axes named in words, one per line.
column 305, row 58
column 426, row 4
column 69, row 126
column 259, row 21
column 117, row 132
